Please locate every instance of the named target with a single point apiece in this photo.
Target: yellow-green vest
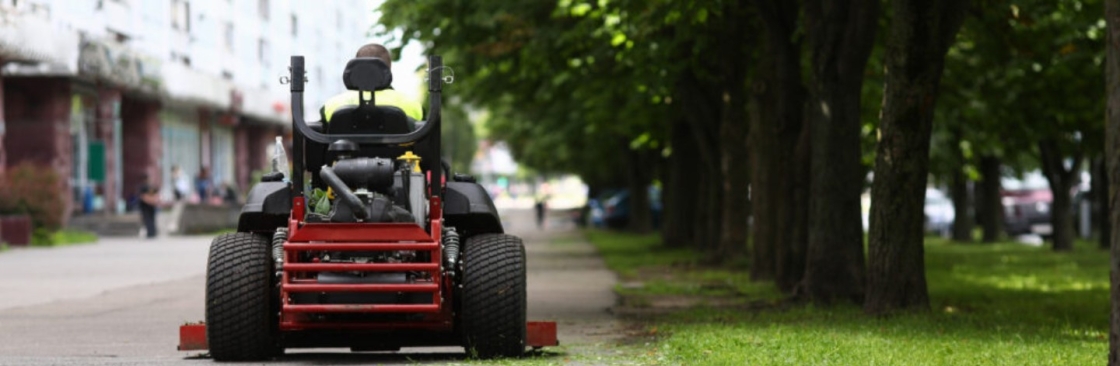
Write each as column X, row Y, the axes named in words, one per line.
column 387, row 97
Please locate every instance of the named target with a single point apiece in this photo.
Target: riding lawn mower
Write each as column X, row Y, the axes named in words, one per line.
column 394, row 254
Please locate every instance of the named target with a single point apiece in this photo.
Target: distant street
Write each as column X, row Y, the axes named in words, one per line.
column 121, row 300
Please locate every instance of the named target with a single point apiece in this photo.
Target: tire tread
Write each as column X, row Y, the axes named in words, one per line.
column 493, row 296
column 238, row 303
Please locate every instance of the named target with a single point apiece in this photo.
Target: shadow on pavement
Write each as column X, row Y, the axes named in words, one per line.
column 386, row 358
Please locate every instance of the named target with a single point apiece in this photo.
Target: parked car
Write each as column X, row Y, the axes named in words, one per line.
column 1026, row 205
column 616, row 209
column 939, row 212
column 595, row 211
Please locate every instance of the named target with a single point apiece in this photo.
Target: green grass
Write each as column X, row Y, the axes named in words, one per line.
column 1002, row 304
column 222, row 231
column 41, row 238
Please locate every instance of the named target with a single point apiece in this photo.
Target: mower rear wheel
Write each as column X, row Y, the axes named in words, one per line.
column 493, row 296
column 240, row 321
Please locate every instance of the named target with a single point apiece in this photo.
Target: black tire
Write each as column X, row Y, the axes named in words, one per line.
column 240, row 317
column 493, row 299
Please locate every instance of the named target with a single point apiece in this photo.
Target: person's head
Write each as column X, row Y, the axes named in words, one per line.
column 378, row 51
column 175, row 169
column 204, row 172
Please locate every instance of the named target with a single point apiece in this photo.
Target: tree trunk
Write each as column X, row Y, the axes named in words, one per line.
column 680, row 193
column 775, row 128
column 733, row 166
column 1061, row 181
column 989, row 203
column 1100, row 201
column 711, row 225
column 638, row 180
column 737, row 44
column 702, row 116
column 790, row 258
column 959, row 194
column 920, row 34
column 1112, row 156
column 841, row 34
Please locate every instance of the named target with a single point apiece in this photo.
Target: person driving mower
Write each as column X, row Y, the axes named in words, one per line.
column 386, row 97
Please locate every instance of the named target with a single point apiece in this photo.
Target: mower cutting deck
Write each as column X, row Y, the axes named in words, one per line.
column 377, row 251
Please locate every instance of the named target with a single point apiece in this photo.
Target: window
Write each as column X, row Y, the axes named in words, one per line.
column 181, row 15
column 262, row 51
column 229, row 36
column 295, row 26
column 262, row 8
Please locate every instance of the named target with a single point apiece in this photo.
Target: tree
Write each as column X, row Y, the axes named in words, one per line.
column 595, row 88
column 841, row 35
column 920, row 34
column 776, row 128
column 1024, row 76
column 1112, row 151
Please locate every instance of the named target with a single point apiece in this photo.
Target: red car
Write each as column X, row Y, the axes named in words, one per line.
column 1027, row 211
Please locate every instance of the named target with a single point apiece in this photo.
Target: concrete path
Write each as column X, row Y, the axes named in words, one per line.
column 120, row 301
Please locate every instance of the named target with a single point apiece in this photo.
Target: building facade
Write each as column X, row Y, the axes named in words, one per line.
column 106, row 92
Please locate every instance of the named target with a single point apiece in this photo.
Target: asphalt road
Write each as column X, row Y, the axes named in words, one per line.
column 120, row 301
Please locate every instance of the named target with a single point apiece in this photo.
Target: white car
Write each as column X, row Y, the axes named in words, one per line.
column 938, row 211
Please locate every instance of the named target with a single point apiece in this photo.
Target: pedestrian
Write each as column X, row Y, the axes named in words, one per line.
column 180, row 184
column 148, row 203
column 229, row 194
column 182, row 192
column 204, row 184
column 541, row 207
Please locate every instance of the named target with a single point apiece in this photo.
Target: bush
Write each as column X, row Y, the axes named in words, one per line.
column 28, row 189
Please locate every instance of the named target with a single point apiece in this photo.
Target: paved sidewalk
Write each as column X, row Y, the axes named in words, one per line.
column 120, row 301
column 33, row 276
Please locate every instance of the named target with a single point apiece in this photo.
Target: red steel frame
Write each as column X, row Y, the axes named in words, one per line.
column 363, row 237
column 345, row 237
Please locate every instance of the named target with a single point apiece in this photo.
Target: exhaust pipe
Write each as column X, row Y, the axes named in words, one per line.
column 344, row 192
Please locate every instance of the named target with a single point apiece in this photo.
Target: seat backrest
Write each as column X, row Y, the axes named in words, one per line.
column 369, row 119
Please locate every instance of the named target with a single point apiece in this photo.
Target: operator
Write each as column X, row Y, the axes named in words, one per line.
column 385, row 97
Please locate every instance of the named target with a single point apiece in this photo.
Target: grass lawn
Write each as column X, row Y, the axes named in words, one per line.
column 1001, row 304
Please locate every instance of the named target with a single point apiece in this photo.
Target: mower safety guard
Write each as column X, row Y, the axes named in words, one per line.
column 192, row 337
column 429, row 131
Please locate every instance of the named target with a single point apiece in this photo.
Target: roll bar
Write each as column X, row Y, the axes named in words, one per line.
column 430, row 131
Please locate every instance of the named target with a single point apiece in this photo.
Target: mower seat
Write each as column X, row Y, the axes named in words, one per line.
column 370, row 119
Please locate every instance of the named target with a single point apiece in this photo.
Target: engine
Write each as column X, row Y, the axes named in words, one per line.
column 371, row 190
column 376, row 190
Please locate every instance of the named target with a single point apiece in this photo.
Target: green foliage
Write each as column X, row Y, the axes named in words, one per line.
column 572, row 86
column 33, row 190
column 1021, row 72
column 1002, row 304
column 44, row 238
column 459, row 141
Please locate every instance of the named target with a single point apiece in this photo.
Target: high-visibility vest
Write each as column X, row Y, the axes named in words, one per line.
column 386, row 97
